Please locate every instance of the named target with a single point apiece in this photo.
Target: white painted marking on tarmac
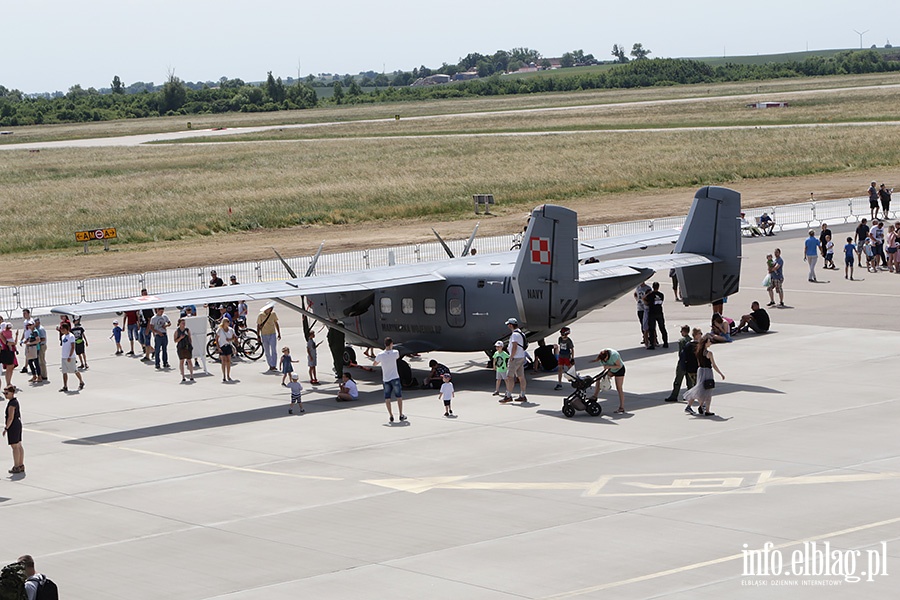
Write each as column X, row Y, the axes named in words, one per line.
column 715, row 561
column 649, row 484
column 195, row 461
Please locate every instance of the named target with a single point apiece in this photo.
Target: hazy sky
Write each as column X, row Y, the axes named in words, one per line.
column 54, row 44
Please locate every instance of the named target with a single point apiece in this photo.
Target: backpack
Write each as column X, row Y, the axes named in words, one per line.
column 688, row 358
column 185, row 342
column 12, row 582
column 524, row 339
column 46, row 589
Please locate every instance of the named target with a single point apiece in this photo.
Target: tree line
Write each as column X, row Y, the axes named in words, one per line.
column 176, row 97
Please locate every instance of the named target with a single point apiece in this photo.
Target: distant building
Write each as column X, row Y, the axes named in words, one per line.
column 432, row 80
column 465, row 76
column 768, row 105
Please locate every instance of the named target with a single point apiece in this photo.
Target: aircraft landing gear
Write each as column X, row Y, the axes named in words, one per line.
column 349, row 356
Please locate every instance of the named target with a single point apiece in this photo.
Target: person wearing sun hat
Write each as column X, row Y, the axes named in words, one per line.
column 269, row 333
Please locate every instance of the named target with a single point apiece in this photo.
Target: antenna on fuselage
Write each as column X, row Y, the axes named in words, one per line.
column 443, row 243
column 312, row 263
column 286, row 265
column 468, row 247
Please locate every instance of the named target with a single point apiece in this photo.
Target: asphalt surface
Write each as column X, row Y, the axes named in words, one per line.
column 142, row 487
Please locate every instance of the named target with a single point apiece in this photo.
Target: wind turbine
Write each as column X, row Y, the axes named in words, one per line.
column 860, row 34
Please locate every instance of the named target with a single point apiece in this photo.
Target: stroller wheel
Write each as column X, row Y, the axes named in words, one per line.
column 569, row 411
column 593, row 409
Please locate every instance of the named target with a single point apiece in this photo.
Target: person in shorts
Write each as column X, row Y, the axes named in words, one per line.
column 349, row 390
column 447, row 394
column 67, row 357
column 849, row 251
column 296, row 393
column 565, row 355
column 873, row 200
column 516, row 362
column 390, row 376
column 501, row 366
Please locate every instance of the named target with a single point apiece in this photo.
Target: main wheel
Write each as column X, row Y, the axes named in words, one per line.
column 252, row 348
column 212, row 350
column 349, row 356
column 593, row 408
column 569, row 411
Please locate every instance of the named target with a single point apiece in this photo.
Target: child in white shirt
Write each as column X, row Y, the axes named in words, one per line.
column 296, row 391
column 447, row 394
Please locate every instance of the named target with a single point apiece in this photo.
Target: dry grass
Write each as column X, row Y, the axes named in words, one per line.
column 165, row 193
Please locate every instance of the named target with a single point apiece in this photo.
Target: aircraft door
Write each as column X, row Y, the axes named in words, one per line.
column 456, row 306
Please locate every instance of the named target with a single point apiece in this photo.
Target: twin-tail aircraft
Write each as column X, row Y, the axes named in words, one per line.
column 461, row 304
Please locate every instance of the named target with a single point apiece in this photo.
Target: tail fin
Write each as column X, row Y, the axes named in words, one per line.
column 712, row 229
column 545, row 278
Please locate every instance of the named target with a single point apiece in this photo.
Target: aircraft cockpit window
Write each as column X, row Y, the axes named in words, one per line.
column 406, row 306
column 385, row 306
column 430, row 306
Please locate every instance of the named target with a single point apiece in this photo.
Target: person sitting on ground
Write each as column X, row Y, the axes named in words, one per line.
column 433, row 380
column 720, row 331
column 757, row 320
column 544, row 357
column 767, row 224
column 349, row 390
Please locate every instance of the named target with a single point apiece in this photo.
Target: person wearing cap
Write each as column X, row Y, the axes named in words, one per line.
column 215, row 280
column 447, row 394
column 233, row 280
column 565, row 355
column 81, row 342
column 42, row 348
column 269, row 333
column 873, row 200
column 296, row 391
column 26, row 319
column 501, row 367
column 516, row 362
column 117, row 337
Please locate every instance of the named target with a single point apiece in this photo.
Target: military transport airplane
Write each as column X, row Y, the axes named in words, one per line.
column 460, row 304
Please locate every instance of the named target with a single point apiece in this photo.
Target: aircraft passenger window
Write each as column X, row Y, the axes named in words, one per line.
column 406, row 306
column 430, row 306
column 385, row 306
column 455, row 307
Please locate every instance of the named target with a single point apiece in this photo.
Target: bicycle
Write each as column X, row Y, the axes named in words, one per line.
column 247, row 342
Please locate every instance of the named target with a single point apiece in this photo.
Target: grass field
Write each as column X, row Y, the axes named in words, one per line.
column 182, row 191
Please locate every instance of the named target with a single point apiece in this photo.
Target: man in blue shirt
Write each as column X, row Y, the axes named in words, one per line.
column 811, row 254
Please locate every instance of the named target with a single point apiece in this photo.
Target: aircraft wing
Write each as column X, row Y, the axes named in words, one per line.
column 394, row 276
column 608, row 269
column 604, row 246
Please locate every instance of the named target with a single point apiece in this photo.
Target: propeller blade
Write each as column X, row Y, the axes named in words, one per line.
column 443, row 243
column 468, row 247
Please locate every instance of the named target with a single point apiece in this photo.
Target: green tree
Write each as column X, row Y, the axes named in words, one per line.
column 567, row 60
column 619, row 52
column 639, row 52
column 275, row 88
column 526, row 55
column 173, row 95
column 117, row 87
column 381, row 80
column 338, row 92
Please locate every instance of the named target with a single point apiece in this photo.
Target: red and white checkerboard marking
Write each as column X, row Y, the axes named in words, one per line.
column 540, row 250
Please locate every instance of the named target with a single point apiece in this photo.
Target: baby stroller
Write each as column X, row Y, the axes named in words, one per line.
column 579, row 399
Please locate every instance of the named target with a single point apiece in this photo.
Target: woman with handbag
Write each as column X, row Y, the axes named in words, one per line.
column 185, row 349
column 8, row 351
column 703, row 391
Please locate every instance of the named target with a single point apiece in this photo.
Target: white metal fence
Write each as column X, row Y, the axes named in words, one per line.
column 46, row 295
